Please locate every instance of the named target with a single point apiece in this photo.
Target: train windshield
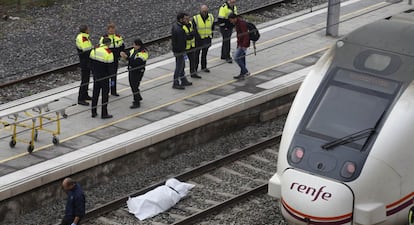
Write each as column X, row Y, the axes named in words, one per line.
column 351, row 102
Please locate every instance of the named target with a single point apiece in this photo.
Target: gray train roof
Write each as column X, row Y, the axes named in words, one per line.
column 389, row 35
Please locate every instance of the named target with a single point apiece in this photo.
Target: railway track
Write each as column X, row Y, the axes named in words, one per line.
column 218, row 184
column 74, row 66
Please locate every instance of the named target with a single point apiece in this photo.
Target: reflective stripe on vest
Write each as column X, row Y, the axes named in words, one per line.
column 116, row 40
column 225, row 11
column 142, row 54
column 190, row 43
column 204, row 28
column 83, row 42
column 102, row 54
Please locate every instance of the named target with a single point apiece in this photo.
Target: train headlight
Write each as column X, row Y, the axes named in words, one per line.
column 340, row 44
column 297, row 154
column 348, row 169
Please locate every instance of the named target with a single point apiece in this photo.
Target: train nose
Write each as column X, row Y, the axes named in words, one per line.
column 308, row 199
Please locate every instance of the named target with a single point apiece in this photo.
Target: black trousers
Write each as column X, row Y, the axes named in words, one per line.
column 191, row 53
column 135, row 78
column 225, row 47
column 85, row 76
column 202, row 46
column 98, row 85
column 113, row 77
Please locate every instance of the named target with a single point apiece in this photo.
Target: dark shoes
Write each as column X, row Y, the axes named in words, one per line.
column 135, row 105
column 115, row 94
column 83, row 103
column 186, row 83
column 241, row 76
column 228, row 60
column 88, row 98
column 106, row 116
column 195, row 76
column 103, row 116
column 206, row 70
column 177, row 86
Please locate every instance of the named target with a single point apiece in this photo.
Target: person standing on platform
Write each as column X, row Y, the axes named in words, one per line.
column 243, row 42
column 84, row 46
column 116, row 46
column 226, row 28
column 102, row 64
column 190, row 45
column 179, row 43
column 75, row 204
column 204, row 25
column 137, row 58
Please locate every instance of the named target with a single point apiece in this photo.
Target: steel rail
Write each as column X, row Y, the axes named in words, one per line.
column 116, row 204
column 216, row 208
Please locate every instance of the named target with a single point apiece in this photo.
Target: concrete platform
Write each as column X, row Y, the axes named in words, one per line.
column 286, row 51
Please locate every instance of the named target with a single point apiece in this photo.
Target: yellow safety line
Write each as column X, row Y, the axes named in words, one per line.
column 197, row 93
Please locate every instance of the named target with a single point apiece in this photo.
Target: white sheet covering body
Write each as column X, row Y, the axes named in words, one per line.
column 158, row 200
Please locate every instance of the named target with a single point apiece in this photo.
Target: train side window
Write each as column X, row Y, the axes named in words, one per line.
column 380, row 63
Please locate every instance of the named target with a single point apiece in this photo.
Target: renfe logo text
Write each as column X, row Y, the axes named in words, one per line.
column 315, row 193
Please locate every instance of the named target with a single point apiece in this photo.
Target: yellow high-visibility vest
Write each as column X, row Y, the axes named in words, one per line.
column 116, row 40
column 83, row 43
column 102, row 54
column 204, row 28
column 142, row 54
column 190, row 43
column 225, row 11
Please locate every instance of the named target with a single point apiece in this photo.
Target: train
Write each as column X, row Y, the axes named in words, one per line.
column 346, row 156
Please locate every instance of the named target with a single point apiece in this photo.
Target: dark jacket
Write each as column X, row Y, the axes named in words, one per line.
column 102, row 69
column 243, row 40
column 84, row 58
column 75, row 205
column 136, row 64
column 178, row 38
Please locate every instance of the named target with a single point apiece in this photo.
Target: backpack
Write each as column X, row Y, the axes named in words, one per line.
column 254, row 34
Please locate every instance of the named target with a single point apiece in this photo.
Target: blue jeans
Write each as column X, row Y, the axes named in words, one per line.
column 240, row 58
column 179, row 68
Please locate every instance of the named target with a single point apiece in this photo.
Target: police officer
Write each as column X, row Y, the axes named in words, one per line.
column 204, row 25
column 190, row 49
column 179, row 43
column 116, row 46
column 75, row 205
column 102, row 64
column 84, row 46
column 226, row 28
column 137, row 58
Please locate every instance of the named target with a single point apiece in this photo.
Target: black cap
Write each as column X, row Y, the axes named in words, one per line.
column 138, row 42
column 232, row 16
column 106, row 41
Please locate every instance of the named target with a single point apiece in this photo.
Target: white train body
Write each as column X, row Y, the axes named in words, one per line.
column 347, row 150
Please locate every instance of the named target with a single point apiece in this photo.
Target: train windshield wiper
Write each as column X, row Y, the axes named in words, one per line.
column 349, row 138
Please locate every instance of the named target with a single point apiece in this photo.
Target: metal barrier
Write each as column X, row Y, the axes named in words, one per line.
column 33, row 120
